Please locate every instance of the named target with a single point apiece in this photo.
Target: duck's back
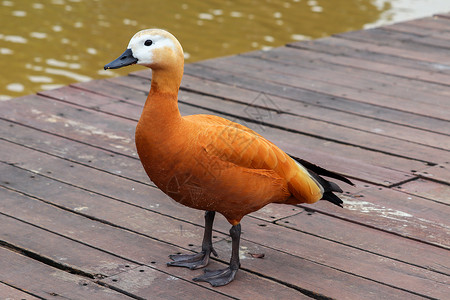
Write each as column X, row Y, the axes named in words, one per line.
column 241, row 146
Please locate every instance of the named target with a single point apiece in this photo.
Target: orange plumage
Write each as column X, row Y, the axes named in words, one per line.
column 207, row 162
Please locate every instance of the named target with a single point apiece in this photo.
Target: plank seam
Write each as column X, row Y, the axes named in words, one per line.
column 317, row 118
column 95, row 109
column 64, row 137
column 318, row 137
column 355, row 247
column 370, row 226
column 126, row 229
column 327, row 95
column 343, row 271
column 46, row 260
column 22, row 290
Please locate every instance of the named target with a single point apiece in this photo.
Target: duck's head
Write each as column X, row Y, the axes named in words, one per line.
column 153, row 48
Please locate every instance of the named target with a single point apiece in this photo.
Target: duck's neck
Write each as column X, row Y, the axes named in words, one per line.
column 161, row 106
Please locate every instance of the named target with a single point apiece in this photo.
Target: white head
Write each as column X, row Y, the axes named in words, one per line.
column 153, row 48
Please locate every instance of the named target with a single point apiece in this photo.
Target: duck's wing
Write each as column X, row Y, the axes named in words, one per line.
column 232, row 142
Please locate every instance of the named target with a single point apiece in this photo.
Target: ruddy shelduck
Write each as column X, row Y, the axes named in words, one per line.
column 210, row 163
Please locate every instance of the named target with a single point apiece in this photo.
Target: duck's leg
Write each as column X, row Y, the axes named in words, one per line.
column 225, row 276
column 199, row 260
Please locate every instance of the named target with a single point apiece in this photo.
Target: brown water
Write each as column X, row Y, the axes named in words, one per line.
column 45, row 44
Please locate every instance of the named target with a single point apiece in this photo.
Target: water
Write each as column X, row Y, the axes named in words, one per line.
column 45, row 44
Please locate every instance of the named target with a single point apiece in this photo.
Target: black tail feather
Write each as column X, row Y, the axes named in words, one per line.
column 328, row 186
column 329, row 196
column 321, row 171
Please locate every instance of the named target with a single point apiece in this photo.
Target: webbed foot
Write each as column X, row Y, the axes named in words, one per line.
column 191, row 261
column 218, row 277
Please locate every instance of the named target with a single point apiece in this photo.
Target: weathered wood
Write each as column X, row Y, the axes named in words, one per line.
column 354, row 121
column 412, row 211
column 126, row 244
column 145, row 281
column 120, row 188
column 112, row 214
column 343, row 81
column 373, row 241
column 130, row 191
column 418, row 31
column 354, row 49
column 404, row 53
column 442, row 25
column 329, row 283
column 77, row 206
column 349, row 119
column 46, row 282
column 148, row 283
column 401, row 40
column 82, row 125
column 7, row 292
column 440, row 172
column 428, row 189
column 367, row 82
column 292, row 55
column 72, row 122
column 88, row 233
column 52, row 247
column 364, row 264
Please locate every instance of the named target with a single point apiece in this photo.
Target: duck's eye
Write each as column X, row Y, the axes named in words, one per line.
column 148, row 43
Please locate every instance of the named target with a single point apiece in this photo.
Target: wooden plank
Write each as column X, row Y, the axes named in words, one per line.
column 103, row 212
column 285, row 266
column 439, row 24
column 308, row 109
column 72, row 122
column 85, row 154
column 52, row 247
column 137, row 218
column 145, row 281
column 347, row 119
column 428, row 189
column 10, row 293
column 138, row 194
column 114, row 164
column 367, row 81
column 129, row 245
column 442, row 15
column 354, row 49
column 115, row 136
column 425, row 220
column 269, row 88
column 359, row 87
column 44, row 281
column 407, row 27
column 287, row 54
column 345, row 135
column 440, row 172
column 135, row 247
column 404, row 53
column 401, row 40
column 370, row 240
column 64, row 223
column 319, row 128
column 335, row 255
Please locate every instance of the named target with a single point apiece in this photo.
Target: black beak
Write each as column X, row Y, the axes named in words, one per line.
column 125, row 59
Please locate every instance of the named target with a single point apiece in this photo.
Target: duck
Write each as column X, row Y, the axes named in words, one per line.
column 209, row 163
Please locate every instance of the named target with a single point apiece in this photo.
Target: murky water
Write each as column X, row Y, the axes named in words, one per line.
column 49, row 43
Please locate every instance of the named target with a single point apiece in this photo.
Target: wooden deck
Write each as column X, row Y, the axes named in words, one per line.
column 80, row 220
